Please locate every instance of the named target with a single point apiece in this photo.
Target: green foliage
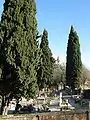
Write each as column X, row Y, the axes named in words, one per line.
column 58, row 74
column 45, row 71
column 19, row 53
column 74, row 64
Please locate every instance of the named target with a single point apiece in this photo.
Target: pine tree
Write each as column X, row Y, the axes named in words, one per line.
column 45, row 71
column 74, row 64
column 18, row 51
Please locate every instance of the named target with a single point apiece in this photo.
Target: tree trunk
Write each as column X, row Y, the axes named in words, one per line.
column 4, row 105
column 17, row 106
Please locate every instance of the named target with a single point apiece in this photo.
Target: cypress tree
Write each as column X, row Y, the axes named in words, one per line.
column 73, row 64
column 45, row 70
column 18, row 51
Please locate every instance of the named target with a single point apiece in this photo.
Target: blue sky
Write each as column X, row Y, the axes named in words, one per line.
column 57, row 16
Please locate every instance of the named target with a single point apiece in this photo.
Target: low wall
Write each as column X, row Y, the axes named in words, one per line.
column 50, row 116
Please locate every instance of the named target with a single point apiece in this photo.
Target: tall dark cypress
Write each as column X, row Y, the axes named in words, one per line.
column 73, row 63
column 45, row 71
column 18, row 51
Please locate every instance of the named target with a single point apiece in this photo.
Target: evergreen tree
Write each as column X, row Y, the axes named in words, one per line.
column 45, row 70
column 74, row 64
column 58, row 75
column 18, row 51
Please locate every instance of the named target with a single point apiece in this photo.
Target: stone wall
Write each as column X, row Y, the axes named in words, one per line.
column 50, row 116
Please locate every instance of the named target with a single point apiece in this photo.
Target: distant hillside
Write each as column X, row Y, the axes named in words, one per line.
column 86, row 77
